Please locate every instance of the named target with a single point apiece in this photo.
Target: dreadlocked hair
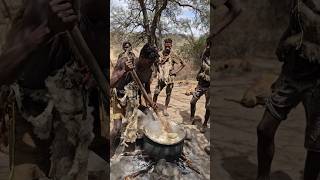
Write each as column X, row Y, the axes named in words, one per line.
column 149, row 52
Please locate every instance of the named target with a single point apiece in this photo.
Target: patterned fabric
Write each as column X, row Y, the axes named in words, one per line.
column 123, row 106
column 162, row 85
column 200, row 91
column 166, row 65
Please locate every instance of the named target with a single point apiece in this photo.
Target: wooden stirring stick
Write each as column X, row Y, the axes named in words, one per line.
column 135, row 77
column 164, row 122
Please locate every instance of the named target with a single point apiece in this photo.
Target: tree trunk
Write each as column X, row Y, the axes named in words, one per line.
column 160, row 36
column 145, row 20
column 156, row 19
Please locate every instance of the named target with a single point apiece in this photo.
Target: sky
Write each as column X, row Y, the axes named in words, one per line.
column 186, row 13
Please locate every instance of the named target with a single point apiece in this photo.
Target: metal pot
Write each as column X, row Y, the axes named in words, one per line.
column 158, row 150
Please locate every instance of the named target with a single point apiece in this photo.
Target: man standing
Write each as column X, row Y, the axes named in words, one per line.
column 167, row 72
column 128, row 95
column 53, row 102
column 127, row 48
column 203, row 86
column 299, row 81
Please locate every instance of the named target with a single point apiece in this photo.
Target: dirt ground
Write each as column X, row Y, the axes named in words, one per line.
column 179, row 107
column 235, row 130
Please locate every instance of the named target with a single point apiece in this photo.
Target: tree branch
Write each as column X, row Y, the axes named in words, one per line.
column 145, row 19
column 187, row 5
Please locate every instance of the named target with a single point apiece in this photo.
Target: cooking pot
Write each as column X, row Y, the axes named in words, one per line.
column 163, row 150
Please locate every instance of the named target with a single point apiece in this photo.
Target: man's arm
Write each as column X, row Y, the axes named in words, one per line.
column 148, row 90
column 117, row 73
column 181, row 64
column 234, row 11
column 291, row 38
column 116, row 76
column 122, row 67
column 16, row 53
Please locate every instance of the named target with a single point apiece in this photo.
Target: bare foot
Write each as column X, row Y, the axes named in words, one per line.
column 204, row 128
column 192, row 120
column 207, row 149
column 165, row 112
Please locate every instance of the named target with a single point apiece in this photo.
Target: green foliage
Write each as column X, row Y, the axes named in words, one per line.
column 192, row 50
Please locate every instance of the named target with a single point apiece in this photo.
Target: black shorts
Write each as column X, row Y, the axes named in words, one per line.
column 161, row 85
column 287, row 93
column 200, row 91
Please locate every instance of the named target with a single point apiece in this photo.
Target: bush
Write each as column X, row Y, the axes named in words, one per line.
column 192, row 51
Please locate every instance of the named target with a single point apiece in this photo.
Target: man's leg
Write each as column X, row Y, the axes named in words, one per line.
column 312, row 166
column 311, row 104
column 30, row 155
column 114, row 134
column 206, row 119
column 157, row 91
column 207, row 115
column 118, row 113
column 205, row 123
column 196, row 96
column 266, row 131
column 168, row 97
column 100, row 144
column 193, row 104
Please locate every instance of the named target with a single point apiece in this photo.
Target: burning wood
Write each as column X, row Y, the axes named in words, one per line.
column 190, row 165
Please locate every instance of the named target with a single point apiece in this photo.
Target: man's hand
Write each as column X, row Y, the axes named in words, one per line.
column 154, row 106
column 129, row 66
column 63, row 17
column 34, row 37
column 173, row 73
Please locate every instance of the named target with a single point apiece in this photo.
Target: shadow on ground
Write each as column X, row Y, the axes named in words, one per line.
column 240, row 168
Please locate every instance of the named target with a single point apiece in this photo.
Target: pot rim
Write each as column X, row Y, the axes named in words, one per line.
column 167, row 144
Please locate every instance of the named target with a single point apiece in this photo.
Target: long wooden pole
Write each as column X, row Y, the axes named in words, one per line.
column 90, row 60
column 164, row 122
column 135, row 77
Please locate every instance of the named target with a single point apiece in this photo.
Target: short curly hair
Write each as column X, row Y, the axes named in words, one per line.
column 168, row 40
column 125, row 43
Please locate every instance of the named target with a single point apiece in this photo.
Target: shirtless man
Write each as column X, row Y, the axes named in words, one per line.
column 36, row 49
column 166, row 72
column 299, row 81
column 127, row 47
column 203, row 78
column 122, row 80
